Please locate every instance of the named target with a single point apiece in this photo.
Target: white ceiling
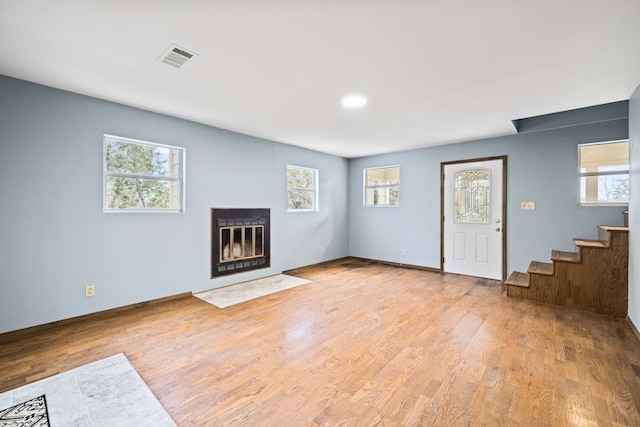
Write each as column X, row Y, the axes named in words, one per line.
column 434, row 71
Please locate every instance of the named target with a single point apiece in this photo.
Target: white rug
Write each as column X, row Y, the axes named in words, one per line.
column 107, row 393
column 235, row 294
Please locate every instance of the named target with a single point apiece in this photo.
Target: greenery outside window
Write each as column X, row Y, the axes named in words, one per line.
column 302, row 189
column 604, row 173
column 382, row 186
column 142, row 176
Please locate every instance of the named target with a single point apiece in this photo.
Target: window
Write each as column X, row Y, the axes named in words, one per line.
column 382, row 186
column 604, row 173
column 142, row 176
column 472, row 196
column 302, row 189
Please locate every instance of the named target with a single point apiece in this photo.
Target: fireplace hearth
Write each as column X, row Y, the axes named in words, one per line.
column 240, row 240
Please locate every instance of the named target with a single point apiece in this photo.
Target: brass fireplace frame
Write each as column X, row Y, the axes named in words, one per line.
column 257, row 244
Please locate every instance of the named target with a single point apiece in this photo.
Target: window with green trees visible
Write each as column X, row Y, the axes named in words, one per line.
column 604, row 173
column 302, row 189
column 142, row 176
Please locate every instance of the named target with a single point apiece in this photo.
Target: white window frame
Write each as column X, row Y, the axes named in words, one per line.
column 180, row 178
column 583, row 174
column 313, row 190
column 379, row 187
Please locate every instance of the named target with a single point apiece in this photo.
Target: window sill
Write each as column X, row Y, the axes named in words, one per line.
column 606, row 205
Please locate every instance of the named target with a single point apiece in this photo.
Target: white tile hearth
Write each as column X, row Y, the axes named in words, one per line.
column 108, row 392
column 235, row 294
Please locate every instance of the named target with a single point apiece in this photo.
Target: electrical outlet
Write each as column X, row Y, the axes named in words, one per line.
column 321, row 249
column 404, row 252
column 527, row 206
column 89, row 291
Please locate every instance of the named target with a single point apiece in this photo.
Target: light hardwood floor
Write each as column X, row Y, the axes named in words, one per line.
column 364, row 344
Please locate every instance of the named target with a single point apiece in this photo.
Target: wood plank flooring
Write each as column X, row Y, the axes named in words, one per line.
column 364, row 344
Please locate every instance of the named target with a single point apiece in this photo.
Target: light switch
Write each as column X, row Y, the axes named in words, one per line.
column 527, row 206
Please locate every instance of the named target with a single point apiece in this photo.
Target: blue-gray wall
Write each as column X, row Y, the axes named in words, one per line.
column 55, row 239
column 634, row 208
column 542, row 167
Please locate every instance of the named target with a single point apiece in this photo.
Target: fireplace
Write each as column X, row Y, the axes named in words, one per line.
column 240, row 240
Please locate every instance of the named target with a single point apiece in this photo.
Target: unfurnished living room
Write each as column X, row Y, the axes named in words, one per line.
column 272, row 213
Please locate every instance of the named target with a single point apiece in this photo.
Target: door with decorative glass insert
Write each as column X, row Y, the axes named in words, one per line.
column 473, row 229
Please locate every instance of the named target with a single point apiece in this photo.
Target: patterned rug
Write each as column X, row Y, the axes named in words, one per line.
column 235, row 294
column 31, row 413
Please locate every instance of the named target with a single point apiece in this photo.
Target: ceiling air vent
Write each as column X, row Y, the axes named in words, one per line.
column 176, row 56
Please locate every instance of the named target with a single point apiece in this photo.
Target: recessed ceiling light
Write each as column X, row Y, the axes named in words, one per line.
column 354, row 101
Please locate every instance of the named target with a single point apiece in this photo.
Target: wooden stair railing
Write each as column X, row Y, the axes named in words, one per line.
column 595, row 278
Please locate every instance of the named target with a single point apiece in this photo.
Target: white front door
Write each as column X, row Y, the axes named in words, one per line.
column 472, row 236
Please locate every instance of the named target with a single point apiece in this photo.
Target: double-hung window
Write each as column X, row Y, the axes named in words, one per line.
column 382, row 186
column 141, row 176
column 604, row 173
column 302, row 189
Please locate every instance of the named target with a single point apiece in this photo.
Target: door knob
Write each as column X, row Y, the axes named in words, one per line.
column 498, row 229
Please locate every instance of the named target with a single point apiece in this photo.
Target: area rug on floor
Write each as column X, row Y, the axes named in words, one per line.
column 235, row 294
column 108, row 392
column 31, row 413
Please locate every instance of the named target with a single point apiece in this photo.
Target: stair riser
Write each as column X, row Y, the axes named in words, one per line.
column 604, row 235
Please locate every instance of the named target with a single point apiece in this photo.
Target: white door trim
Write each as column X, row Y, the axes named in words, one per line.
column 504, row 208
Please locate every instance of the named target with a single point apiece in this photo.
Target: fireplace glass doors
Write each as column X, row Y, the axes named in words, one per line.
column 239, row 240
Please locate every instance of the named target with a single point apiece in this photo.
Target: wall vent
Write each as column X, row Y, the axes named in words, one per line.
column 176, row 56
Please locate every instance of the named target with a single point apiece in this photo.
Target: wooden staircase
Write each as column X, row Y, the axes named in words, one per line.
column 595, row 278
